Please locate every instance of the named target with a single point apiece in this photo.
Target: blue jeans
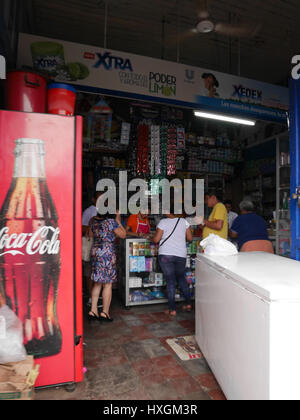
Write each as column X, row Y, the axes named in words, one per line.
column 174, row 269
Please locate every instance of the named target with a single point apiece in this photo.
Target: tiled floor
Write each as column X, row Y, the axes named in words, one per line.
column 129, row 359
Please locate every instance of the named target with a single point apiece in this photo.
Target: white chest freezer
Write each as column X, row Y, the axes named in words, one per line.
column 248, row 324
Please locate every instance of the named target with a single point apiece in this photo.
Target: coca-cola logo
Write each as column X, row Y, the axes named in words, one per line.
column 32, row 242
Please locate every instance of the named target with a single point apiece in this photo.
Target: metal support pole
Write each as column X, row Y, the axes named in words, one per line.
column 105, row 24
column 178, row 32
column 163, row 37
column 295, row 167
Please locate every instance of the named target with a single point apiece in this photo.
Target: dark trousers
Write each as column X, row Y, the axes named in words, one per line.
column 174, row 270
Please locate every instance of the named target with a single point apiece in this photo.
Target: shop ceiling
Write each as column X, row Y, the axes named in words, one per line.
column 161, row 29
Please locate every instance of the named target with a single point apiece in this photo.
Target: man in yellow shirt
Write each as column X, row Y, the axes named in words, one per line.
column 217, row 222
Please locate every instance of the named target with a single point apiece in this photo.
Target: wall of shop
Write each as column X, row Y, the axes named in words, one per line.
column 9, row 27
column 15, row 15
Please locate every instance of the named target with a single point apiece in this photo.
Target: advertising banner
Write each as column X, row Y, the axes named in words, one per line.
column 128, row 75
column 37, row 236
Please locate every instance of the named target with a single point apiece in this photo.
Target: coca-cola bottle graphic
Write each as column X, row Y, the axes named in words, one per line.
column 30, row 250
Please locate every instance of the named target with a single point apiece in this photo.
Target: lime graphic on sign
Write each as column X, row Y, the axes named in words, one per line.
column 167, row 91
column 78, row 71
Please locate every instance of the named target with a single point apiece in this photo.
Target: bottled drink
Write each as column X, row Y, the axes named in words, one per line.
column 135, row 249
column 30, row 250
column 142, row 249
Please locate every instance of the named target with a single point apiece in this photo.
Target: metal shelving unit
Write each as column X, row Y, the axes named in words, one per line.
column 128, row 288
column 283, row 220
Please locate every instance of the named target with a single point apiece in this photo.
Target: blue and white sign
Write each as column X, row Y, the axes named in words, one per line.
column 132, row 76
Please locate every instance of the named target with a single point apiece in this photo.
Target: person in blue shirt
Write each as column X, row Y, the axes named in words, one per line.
column 250, row 230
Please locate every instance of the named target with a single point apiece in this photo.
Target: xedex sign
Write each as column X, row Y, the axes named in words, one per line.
column 2, row 67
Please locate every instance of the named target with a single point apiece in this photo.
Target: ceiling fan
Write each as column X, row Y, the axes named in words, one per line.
column 207, row 24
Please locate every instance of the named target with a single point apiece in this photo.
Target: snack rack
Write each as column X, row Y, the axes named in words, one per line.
column 142, row 281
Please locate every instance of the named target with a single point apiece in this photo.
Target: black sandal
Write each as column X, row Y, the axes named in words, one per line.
column 93, row 317
column 105, row 318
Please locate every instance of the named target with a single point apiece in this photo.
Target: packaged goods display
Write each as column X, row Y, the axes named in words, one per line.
column 172, row 151
column 155, row 150
column 149, row 142
column 164, row 150
column 180, row 138
column 143, row 280
column 142, row 149
column 125, row 133
column 99, row 123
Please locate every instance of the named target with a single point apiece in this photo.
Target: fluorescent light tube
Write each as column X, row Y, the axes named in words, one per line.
column 224, row 118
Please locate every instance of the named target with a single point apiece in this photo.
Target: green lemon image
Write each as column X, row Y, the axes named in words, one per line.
column 78, row 71
column 74, row 70
column 84, row 71
column 167, row 91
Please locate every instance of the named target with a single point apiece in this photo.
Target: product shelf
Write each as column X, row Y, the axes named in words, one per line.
column 283, row 232
column 154, row 301
column 136, row 285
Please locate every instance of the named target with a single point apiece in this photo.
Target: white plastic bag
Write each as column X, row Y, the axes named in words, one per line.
column 11, row 337
column 87, row 244
column 215, row 245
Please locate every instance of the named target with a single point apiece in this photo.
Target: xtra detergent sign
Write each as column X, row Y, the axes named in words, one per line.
column 110, row 62
column 122, row 74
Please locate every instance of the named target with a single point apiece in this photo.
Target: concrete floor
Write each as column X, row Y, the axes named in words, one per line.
column 129, row 359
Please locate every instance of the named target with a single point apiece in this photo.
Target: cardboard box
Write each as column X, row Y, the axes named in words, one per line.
column 156, row 277
column 135, row 282
column 17, row 380
column 159, row 282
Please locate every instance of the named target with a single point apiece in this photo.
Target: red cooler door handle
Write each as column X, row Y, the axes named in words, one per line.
column 31, row 84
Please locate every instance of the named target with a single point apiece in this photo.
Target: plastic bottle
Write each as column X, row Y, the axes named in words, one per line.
column 285, row 201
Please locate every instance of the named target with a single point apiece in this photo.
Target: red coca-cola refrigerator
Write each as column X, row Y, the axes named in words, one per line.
column 40, row 238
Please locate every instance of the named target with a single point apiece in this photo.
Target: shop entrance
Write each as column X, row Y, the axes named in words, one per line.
column 239, row 162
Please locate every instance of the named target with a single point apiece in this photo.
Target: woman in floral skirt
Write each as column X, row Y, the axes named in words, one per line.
column 104, row 231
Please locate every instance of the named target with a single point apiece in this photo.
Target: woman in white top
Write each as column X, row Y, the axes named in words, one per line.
column 172, row 234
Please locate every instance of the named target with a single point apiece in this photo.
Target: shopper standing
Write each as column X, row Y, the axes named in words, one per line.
column 138, row 225
column 172, row 234
column 217, row 222
column 87, row 215
column 231, row 214
column 250, row 230
column 104, row 230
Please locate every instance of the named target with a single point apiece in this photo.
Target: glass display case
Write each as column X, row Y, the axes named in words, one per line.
column 142, row 279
